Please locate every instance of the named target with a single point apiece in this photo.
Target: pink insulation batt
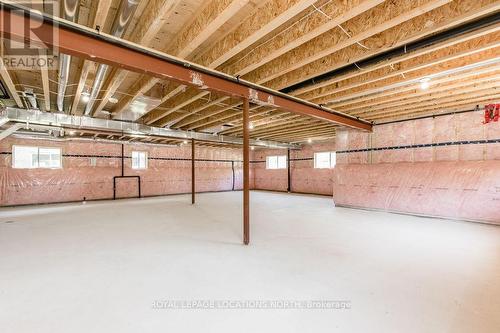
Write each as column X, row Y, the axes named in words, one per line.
column 459, row 181
column 78, row 179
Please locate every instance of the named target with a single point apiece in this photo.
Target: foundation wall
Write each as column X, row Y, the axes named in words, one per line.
column 447, row 166
column 168, row 172
column 304, row 178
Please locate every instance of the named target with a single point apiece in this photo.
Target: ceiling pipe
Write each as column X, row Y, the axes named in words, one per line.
column 398, row 51
column 70, row 13
column 36, row 117
column 122, row 19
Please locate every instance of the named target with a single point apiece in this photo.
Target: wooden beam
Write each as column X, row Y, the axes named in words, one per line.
column 9, row 84
column 264, row 122
column 416, row 66
column 44, row 71
column 439, row 67
column 157, row 12
column 84, row 73
column 217, row 117
column 252, row 29
column 191, row 123
column 478, row 86
column 157, row 116
column 432, row 103
column 81, row 42
column 207, row 22
column 416, row 94
column 297, row 128
column 443, row 18
column 462, row 77
column 412, row 82
column 153, row 19
column 446, row 107
column 371, row 23
column 302, row 92
column 178, row 121
column 332, row 14
column 301, row 133
column 219, row 120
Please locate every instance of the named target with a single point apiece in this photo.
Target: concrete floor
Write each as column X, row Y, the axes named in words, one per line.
column 99, row 267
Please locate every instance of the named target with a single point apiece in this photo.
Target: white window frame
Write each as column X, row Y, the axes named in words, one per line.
column 37, row 166
column 139, row 167
column 276, row 162
column 331, row 163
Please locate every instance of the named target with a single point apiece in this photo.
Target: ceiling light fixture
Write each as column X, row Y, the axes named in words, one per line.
column 425, row 83
column 85, row 97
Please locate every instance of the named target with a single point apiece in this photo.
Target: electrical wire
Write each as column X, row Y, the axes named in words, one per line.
column 282, row 32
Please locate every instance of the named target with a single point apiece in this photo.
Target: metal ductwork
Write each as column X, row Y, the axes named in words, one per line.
column 30, row 98
column 37, row 117
column 70, row 13
column 122, row 19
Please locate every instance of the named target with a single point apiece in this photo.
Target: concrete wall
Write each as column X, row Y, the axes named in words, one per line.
column 446, row 166
column 304, row 178
column 452, row 174
column 167, row 172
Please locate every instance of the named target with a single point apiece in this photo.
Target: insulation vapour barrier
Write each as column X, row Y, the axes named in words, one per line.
column 463, row 190
column 446, row 166
column 88, row 171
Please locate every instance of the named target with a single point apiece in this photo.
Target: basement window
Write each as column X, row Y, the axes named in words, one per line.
column 139, row 160
column 325, row 160
column 24, row 157
column 276, row 162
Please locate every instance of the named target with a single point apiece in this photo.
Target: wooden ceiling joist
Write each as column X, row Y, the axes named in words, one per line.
column 144, row 33
column 302, row 92
column 371, row 23
column 328, row 17
column 252, row 29
column 178, row 121
column 481, row 58
column 462, row 77
column 417, row 94
column 207, row 22
column 198, row 118
column 484, row 84
column 217, row 119
column 402, row 69
column 257, row 26
column 485, row 94
column 9, row 84
column 442, row 18
column 467, row 104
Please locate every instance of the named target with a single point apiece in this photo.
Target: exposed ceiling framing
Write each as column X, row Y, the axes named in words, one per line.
column 318, row 51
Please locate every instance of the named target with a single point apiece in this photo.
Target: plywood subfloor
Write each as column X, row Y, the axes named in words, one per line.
column 99, row 267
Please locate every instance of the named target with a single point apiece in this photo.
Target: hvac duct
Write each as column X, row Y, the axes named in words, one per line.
column 69, row 12
column 123, row 18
